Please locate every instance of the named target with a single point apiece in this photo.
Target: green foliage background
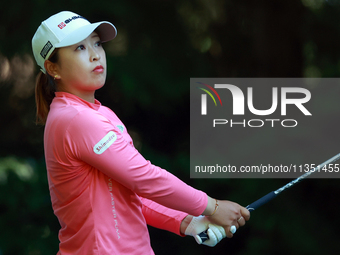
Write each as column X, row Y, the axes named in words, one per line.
column 160, row 45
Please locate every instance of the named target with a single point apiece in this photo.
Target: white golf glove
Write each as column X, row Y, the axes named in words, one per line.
column 201, row 223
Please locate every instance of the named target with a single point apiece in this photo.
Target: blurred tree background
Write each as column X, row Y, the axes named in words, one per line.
column 160, row 45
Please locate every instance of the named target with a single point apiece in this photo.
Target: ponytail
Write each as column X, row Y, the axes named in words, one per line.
column 44, row 93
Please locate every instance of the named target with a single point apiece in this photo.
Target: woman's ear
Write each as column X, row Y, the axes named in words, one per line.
column 51, row 68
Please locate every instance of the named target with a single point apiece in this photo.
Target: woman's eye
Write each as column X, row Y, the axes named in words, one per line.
column 80, row 47
column 99, row 43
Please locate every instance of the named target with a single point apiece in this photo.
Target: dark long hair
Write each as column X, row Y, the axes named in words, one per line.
column 44, row 92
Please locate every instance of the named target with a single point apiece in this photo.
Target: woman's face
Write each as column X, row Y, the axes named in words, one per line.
column 81, row 67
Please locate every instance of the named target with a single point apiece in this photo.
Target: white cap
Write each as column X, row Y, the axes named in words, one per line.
column 64, row 29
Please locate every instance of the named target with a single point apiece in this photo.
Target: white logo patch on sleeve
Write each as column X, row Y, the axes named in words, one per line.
column 105, row 142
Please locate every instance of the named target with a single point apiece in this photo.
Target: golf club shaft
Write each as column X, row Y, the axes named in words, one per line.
column 265, row 199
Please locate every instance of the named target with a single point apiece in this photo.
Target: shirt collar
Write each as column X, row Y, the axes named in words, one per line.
column 73, row 98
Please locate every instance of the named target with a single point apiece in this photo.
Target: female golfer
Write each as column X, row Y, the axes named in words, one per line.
column 103, row 192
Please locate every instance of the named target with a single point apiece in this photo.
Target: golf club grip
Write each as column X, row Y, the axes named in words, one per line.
column 261, row 201
column 204, row 236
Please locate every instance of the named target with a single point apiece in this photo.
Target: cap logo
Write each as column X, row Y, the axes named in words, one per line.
column 62, row 25
column 73, row 18
column 46, row 49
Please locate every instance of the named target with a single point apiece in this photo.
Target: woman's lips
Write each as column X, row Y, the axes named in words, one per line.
column 98, row 69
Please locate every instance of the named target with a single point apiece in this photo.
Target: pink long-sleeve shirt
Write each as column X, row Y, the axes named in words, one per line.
column 103, row 192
